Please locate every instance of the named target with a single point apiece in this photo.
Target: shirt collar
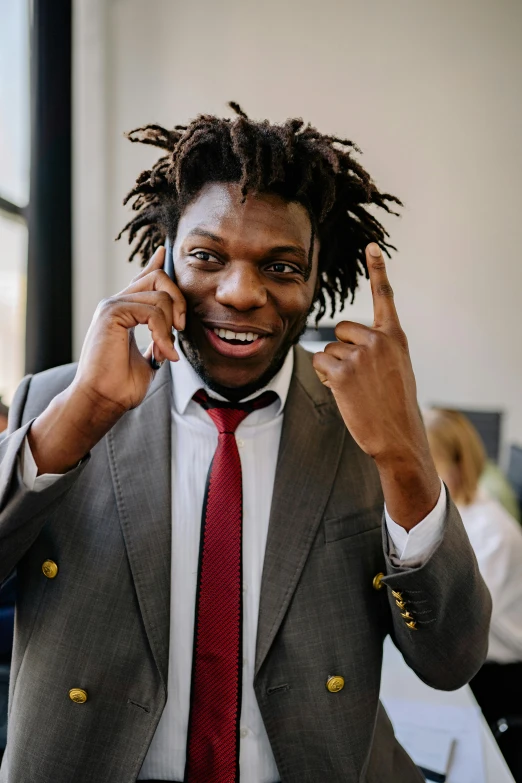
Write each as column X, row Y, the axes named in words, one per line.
column 186, row 382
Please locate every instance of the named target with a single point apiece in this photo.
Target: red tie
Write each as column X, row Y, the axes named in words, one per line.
column 212, row 745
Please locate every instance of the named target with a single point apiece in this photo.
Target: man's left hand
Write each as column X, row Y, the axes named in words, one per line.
column 370, row 374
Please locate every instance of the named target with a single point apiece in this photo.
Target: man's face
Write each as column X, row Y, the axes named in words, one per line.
column 244, row 271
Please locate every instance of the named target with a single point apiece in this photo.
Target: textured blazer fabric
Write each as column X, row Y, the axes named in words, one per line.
column 99, row 628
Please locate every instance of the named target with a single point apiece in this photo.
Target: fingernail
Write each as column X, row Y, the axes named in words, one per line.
column 182, row 321
column 374, row 250
column 153, row 256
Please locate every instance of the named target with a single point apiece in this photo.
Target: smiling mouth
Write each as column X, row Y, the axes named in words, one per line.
column 235, row 345
column 236, row 338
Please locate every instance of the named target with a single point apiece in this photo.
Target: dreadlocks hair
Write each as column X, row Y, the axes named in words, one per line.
column 292, row 160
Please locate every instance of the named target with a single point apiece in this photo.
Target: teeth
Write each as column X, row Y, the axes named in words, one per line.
column 226, row 334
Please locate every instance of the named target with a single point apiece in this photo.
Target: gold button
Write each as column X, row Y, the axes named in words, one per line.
column 377, row 581
column 49, row 569
column 335, row 684
column 412, row 625
column 397, row 595
column 78, row 695
column 406, row 615
column 401, row 604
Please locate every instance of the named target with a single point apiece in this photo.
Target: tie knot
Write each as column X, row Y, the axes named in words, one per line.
column 227, row 416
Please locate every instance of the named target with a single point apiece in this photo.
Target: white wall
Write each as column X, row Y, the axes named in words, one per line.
column 429, row 90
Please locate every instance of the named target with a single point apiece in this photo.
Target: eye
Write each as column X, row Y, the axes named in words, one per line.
column 283, row 269
column 202, row 255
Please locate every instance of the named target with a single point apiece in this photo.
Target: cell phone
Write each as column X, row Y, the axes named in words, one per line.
column 168, row 266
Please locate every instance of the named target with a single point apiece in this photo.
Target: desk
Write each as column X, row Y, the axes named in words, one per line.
column 400, row 682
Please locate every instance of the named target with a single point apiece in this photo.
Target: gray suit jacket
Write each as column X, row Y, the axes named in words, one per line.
column 103, row 623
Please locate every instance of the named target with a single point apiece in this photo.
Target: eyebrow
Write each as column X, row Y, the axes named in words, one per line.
column 297, row 250
column 202, row 232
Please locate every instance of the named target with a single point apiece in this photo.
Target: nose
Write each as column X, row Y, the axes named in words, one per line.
column 240, row 287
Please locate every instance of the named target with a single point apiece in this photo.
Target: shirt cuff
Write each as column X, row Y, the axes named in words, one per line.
column 30, row 476
column 415, row 547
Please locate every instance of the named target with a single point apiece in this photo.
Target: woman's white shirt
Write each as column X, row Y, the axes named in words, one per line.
column 497, row 540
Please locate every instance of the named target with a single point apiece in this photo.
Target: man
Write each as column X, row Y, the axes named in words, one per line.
column 177, row 627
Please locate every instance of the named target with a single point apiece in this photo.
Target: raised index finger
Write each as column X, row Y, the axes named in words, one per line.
column 384, row 312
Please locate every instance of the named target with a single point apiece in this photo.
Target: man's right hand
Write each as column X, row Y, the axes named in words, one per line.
column 112, row 369
column 113, row 376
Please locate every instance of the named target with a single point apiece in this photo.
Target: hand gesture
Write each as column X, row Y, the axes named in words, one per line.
column 112, row 376
column 370, row 374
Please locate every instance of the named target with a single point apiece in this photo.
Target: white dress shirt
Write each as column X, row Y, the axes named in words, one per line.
column 497, row 540
column 194, row 440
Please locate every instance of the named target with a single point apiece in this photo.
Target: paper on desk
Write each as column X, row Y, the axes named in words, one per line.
column 461, row 723
column 430, row 749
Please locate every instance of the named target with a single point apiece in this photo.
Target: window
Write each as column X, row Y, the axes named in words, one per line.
column 14, row 189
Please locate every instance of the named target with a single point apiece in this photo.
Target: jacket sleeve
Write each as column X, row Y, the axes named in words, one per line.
column 23, row 512
column 441, row 610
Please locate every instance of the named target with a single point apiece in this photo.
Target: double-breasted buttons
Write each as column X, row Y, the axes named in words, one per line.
column 335, row 683
column 78, row 695
column 49, row 569
column 409, row 619
column 377, row 581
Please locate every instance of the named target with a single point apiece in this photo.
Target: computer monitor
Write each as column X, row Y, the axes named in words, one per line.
column 488, row 425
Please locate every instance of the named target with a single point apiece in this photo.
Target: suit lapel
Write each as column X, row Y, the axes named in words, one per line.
column 139, row 449
column 311, row 445
column 140, row 459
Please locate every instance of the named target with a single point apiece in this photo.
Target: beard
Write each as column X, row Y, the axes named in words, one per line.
column 238, row 393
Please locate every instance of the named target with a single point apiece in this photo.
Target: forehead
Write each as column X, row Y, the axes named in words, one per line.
column 259, row 220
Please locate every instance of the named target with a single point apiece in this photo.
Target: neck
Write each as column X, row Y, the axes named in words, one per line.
column 239, row 393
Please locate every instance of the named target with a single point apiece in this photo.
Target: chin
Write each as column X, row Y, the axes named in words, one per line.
column 233, row 378
column 232, row 382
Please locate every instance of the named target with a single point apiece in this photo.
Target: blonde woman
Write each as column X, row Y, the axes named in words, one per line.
column 496, row 537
